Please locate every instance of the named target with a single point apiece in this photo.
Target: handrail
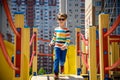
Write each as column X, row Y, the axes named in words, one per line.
column 84, row 40
column 8, row 14
column 114, row 26
column 43, row 40
column 87, row 66
column 32, row 39
column 116, row 64
column 5, row 53
column 43, row 54
column 31, row 60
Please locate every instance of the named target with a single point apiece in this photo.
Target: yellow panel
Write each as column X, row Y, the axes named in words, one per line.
column 6, row 72
column 26, row 53
column 103, row 23
column 19, row 20
column 92, row 53
column 116, row 51
column 71, row 61
column 25, row 47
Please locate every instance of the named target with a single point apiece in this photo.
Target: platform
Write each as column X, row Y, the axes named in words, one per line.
column 61, row 77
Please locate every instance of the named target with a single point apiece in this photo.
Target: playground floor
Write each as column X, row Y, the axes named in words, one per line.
column 61, row 77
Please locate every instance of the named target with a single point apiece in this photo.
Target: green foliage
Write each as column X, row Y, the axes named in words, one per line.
column 30, row 71
column 41, row 71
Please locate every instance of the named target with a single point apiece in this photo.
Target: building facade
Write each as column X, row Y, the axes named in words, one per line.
column 39, row 14
column 112, row 7
column 45, row 20
column 94, row 7
column 75, row 10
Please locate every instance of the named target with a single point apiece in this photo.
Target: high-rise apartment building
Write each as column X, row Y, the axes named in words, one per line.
column 94, row 7
column 40, row 14
column 75, row 10
column 45, row 20
column 92, row 10
column 112, row 7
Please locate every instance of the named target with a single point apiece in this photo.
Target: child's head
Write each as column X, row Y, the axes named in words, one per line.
column 62, row 16
column 61, row 19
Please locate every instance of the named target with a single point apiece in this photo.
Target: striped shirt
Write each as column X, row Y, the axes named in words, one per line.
column 61, row 37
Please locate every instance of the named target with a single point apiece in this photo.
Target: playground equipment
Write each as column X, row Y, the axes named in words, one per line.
column 92, row 50
column 84, row 53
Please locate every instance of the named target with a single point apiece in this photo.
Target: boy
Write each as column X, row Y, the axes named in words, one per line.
column 61, row 40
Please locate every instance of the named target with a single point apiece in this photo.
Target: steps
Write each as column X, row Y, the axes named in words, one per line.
column 61, row 77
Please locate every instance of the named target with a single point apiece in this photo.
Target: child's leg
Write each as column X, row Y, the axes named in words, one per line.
column 56, row 61
column 62, row 59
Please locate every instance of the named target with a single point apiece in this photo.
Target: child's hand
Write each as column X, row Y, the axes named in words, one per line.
column 63, row 47
column 51, row 44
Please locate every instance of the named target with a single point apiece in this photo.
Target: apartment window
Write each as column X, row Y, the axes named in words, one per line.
column 82, row 4
column 76, row 16
column 83, row 10
column 41, row 60
column 98, row 3
column 52, row 2
column 41, row 64
column 83, row 0
column 77, row 21
column 76, row 10
column 76, row 4
column 82, row 16
column 82, row 26
column 118, row 10
column 82, row 21
column 70, row 10
column 41, row 2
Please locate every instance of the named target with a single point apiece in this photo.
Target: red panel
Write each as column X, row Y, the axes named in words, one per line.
column 35, row 42
column 78, row 43
column 105, row 51
column 18, row 53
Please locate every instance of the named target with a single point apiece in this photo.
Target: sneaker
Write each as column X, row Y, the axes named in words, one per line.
column 56, row 76
column 62, row 69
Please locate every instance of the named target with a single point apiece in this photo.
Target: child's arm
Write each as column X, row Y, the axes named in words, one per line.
column 67, row 40
column 53, row 39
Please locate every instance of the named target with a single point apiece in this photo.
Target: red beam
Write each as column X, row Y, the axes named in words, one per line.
column 114, row 26
column 8, row 14
column 114, row 41
column 18, row 53
column 43, row 40
column 5, row 53
column 105, row 51
column 114, row 36
column 43, row 54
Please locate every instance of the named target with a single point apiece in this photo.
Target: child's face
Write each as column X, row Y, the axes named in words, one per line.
column 61, row 20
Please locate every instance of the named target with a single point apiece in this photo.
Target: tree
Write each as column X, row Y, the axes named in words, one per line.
column 30, row 71
column 41, row 71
